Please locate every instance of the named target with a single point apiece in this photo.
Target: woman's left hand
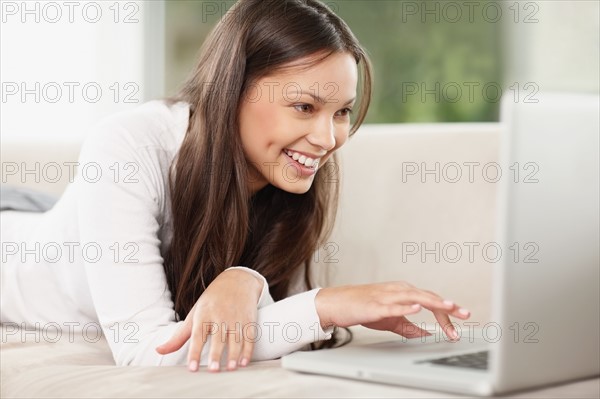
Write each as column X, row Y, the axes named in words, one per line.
column 406, row 328
column 399, row 325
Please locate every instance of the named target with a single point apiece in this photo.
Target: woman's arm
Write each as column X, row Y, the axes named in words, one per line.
column 128, row 287
column 383, row 306
column 119, row 213
column 281, row 328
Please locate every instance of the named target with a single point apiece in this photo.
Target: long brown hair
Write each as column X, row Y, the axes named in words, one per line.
column 216, row 222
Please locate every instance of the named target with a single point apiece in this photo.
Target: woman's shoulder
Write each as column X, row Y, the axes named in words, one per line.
column 156, row 123
column 134, row 146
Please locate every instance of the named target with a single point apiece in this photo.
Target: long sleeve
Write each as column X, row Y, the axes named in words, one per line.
column 119, row 217
column 282, row 327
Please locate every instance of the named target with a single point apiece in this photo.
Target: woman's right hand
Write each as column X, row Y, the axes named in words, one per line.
column 226, row 306
column 383, row 306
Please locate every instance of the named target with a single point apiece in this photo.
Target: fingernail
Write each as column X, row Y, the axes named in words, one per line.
column 214, row 366
column 244, row 362
column 232, row 364
column 453, row 333
column 416, row 306
column 193, row 365
column 448, row 302
column 464, row 311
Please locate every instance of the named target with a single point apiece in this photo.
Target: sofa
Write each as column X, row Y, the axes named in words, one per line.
column 414, row 199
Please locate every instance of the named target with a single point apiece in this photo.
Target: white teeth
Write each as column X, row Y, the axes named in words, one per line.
column 303, row 159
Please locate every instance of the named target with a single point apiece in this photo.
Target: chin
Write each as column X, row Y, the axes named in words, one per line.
column 296, row 188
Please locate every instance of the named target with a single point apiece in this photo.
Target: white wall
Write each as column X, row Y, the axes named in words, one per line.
column 554, row 44
column 49, row 46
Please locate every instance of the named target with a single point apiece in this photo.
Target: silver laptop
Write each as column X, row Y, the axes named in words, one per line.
column 546, row 302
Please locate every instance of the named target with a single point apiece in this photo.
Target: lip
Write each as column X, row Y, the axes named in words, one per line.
column 306, row 154
column 304, row 171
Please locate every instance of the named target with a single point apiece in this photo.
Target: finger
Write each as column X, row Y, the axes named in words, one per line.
column 444, row 320
column 200, row 334
column 437, row 303
column 459, row 312
column 428, row 300
column 408, row 329
column 395, row 310
column 439, row 307
column 234, row 346
column 442, row 316
column 216, row 348
column 180, row 337
column 248, row 347
column 446, row 324
column 455, row 310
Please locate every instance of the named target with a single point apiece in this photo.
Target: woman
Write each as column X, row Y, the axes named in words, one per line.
column 234, row 170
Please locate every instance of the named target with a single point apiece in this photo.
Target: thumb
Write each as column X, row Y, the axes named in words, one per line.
column 410, row 330
column 178, row 339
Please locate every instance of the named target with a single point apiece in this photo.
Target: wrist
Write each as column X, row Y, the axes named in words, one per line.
column 322, row 299
column 245, row 275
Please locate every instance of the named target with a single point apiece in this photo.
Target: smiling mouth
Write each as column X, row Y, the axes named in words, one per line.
column 314, row 165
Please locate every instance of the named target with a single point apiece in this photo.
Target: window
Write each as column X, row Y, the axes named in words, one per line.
column 434, row 61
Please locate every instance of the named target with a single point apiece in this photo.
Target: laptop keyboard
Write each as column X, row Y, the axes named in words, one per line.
column 477, row 360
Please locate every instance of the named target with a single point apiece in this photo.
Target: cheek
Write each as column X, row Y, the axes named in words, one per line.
column 256, row 129
column 255, row 121
column 263, row 124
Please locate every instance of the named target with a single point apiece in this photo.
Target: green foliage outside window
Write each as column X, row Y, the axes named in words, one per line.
column 431, row 63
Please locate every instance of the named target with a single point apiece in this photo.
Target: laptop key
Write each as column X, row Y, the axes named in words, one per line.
column 477, row 360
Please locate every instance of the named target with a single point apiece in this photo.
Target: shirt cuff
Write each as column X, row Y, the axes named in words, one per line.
column 265, row 296
column 326, row 333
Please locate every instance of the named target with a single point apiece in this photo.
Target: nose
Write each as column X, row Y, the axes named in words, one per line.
column 323, row 135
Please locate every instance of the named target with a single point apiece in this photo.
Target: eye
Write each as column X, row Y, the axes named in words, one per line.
column 304, row 108
column 346, row 112
column 308, row 108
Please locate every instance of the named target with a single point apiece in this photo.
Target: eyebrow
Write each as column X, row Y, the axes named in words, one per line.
column 320, row 99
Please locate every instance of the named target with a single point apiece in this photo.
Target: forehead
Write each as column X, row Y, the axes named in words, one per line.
column 337, row 74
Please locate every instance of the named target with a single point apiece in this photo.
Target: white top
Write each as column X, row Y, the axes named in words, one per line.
column 96, row 258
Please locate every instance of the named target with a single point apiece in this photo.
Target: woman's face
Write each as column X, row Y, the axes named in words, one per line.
column 294, row 117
